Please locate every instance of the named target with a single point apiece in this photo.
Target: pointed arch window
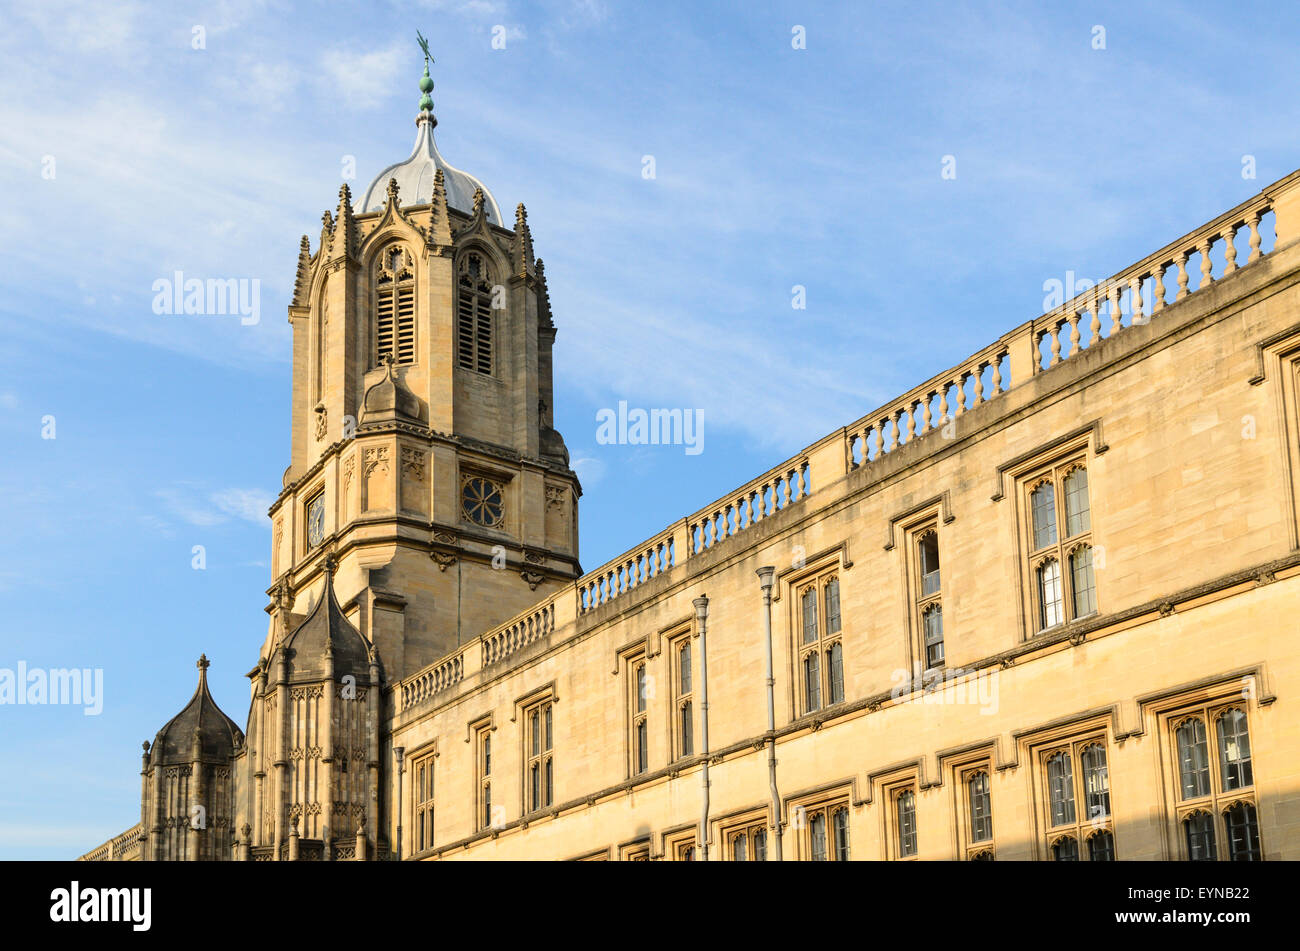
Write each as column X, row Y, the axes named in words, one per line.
column 394, row 327
column 1076, row 783
column 1215, row 783
column 1061, row 557
column 821, row 651
column 474, row 314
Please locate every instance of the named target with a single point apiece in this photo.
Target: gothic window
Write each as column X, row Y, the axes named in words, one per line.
column 1061, row 563
column 422, row 795
column 683, row 706
column 929, row 595
column 1077, row 799
column 482, row 502
column 539, row 765
column 483, row 769
column 1215, row 783
column 1101, row 847
column 826, row 831
column 681, row 848
column 394, row 328
column 905, row 823
column 821, row 651
column 474, row 314
column 1065, row 849
column 980, row 806
column 639, row 741
column 748, row 842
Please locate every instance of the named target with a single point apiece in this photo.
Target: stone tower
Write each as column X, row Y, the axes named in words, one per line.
column 423, row 453
column 187, row 804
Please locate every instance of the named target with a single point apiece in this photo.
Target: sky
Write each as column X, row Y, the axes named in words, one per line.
column 794, row 145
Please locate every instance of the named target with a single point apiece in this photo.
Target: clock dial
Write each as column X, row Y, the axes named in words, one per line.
column 315, row 521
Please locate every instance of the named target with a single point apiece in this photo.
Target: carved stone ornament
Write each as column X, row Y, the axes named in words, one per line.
column 322, row 422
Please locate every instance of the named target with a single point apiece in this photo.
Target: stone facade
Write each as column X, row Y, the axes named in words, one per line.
column 986, row 620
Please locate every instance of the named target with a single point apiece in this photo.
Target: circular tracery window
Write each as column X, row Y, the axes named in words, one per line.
column 481, row 501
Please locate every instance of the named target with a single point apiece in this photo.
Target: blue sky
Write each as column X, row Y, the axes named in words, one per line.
column 775, row 167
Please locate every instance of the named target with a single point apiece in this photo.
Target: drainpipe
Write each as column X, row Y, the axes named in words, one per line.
column 765, row 576
column 702, row 616
column 400, row 753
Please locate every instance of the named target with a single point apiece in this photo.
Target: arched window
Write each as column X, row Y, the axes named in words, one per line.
column 1096, row 781
column 1065, row 849
column 981, row 809
column 906, row 808
column 1084, row 586
column 1199, row 830
column 1060, row 783
column 932, row 622
column 817, row 836
column 1101, row 847
column 1243, row 833
column 1077, row 513
column 1050, row 611
column 394, row 282
column 1234, row 750
column 474, row 314
column 1193, row 759
column 840, row 827
column 1042, row 502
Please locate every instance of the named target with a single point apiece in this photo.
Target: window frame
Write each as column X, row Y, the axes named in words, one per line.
column 683, row 695
column 1218, row 801
column 748, row 827
column 1063, row 548
column 965, row 775
column 478, row 290
column 539, row 755
column 1081, row 827
column 826, row 646
column 404, row 293
column 637, row 666
column 806, row 811
column 423, row 799
column 483, row 804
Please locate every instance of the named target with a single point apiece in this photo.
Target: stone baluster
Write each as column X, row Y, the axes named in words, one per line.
column 925, row 413
column 1206, row 278
column 1135, row 300
column 1158, row 301
column 996, row 379
column 1253, row 222
column 1093, row 312
column 1230, row 249
column 1112, row 295
column 943, row 403
column 1181, row 261
column 1056, row 343
column 1073, row 317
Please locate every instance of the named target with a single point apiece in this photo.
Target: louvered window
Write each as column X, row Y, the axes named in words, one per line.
column 474, row 315
column 394, row 307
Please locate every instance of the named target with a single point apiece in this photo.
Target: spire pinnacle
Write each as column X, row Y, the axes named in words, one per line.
column 426, row 83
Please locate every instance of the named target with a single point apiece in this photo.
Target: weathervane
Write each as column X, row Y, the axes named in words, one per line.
column 426, row 84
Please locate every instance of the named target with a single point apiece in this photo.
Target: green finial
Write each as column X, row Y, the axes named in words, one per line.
column 426, row 84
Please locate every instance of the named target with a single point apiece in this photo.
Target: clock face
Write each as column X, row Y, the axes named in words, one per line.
column 316, row 521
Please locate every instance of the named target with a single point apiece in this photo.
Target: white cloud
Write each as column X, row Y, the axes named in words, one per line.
column 248, row 504
column 590, row 470
column 206, row 509
column 364, row 79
